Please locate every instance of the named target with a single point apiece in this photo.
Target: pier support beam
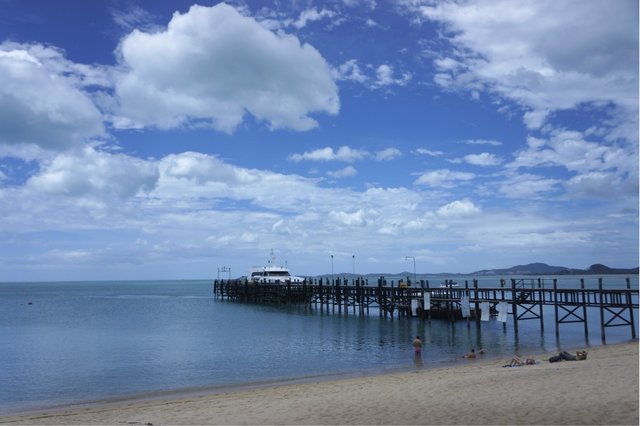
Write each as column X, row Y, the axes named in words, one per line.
column 514, row 305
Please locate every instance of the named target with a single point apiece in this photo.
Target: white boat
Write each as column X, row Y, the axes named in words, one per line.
column 449, row 284
column 272, row 274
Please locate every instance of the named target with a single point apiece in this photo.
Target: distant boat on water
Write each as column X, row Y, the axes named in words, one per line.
column 272, row 273
column 449, row 284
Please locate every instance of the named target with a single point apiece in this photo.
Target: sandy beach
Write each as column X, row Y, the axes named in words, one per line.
column 600, row 390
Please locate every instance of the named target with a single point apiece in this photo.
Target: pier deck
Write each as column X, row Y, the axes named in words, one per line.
column 522, row 299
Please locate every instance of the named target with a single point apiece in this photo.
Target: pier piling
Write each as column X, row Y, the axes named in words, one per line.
column 616, row 306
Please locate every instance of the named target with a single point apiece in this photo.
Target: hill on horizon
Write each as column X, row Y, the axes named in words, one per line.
column 536, row 268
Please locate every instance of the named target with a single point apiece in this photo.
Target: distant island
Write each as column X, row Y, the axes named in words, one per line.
column 544, row 269
column 529, row 269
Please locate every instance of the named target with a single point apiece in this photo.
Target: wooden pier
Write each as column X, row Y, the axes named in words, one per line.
column 522, row 299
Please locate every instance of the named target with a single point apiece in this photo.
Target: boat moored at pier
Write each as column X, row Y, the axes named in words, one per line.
column 272, row 274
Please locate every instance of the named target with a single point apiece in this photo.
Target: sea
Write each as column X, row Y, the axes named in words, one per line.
column 68, row 343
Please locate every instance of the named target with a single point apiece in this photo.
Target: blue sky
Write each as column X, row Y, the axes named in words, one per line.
column 150, row 140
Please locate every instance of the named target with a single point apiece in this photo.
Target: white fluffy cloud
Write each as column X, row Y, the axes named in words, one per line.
column 312, row 15
column 429, row 152
column 344, row 153
column 482, row 142
column 348, row 218
column 516, row 52
column 573, row 151
column 192, row 204
column 343, row 173
column 528, row 186
column 42, row 101
column 602, row 171
column 443, row 177
column 212, row 65
column 458, row 209
column 385, row 76
column 482, row 159
column 382, row 76
column 96, row 176
column 388, row 154
column 350, row 71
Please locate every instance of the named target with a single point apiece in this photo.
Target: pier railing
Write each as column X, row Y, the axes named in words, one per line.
column 522, row 299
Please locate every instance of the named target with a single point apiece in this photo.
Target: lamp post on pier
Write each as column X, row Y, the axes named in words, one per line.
column 224, row 269
column 353, row 263
column 414, row 266
column 332, row 277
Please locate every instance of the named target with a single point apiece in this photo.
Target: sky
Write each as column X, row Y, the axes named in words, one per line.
column 170, row 140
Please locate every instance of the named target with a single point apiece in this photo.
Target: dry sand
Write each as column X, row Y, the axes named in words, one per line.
column 600, row 390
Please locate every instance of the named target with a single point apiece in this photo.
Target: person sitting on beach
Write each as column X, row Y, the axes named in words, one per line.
column 417, row 345
column 516, row 361
column 471, row 354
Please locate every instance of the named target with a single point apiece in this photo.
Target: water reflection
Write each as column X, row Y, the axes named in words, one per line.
column 417, row 361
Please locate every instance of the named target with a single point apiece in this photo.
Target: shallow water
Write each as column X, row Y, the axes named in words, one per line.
column 95, row 340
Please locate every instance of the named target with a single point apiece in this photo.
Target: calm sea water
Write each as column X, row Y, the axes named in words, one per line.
column 63, row 343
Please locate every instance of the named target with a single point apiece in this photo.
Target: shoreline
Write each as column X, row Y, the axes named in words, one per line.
column 600, row 390
column 215, row 389
column 207, row 390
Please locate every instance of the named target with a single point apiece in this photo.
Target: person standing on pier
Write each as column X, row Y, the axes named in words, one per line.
column 417, row 346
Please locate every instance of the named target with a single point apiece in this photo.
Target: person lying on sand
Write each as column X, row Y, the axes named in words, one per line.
column 566, row 356
column 516, row 361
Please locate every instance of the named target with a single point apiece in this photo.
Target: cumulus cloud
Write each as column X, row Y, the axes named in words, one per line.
column 458, row 209
column 212, row 65
column 429, row 152
column 94, row 175
column 343, row 173
column 573, row 151
column 598, row 185
column 371, row 23
column 132, row 16
column 192, row 204
column 528, row 186
column 592, row 164
column 42, row 99
column 348, row 218
column 200, row 177
column 484, row 159
column 370, row 4
column 481, row 142
column 515, row 53
column 385, row 76
column 344, row 153
column 350, row 71
column 372, row 77
column 443, row 177
column 311, row 15
column 388, row 154
column 446, row 64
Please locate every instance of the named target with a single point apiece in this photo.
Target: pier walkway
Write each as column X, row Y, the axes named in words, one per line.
column 521, row 299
